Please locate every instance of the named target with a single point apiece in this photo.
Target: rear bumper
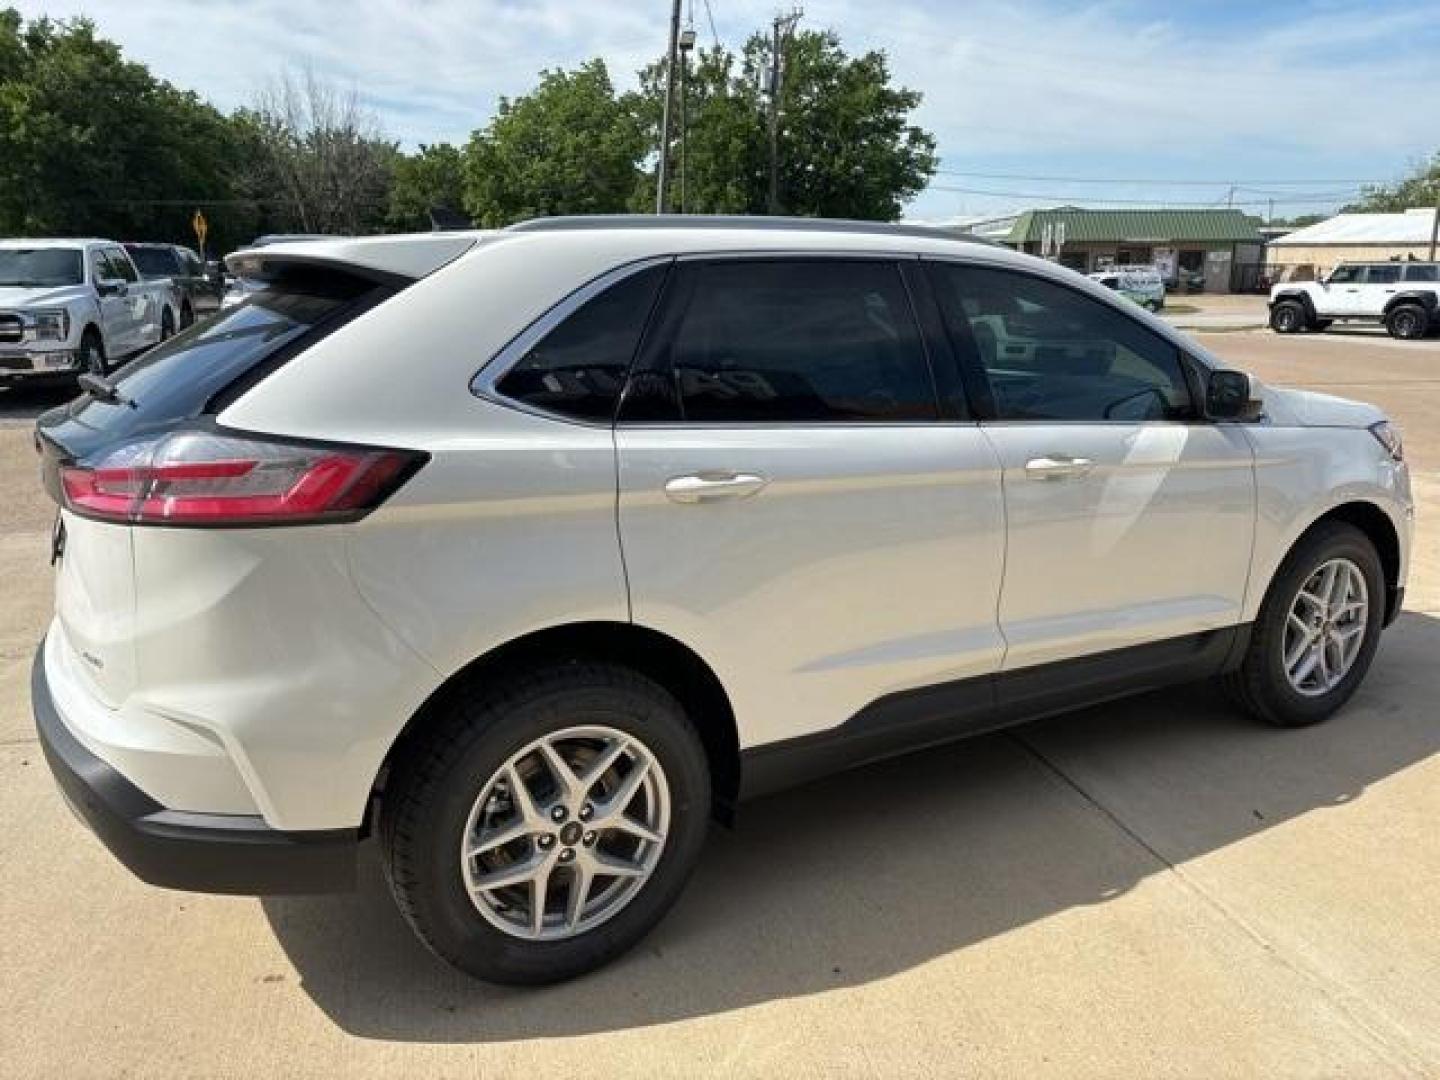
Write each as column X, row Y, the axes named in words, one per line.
column 217, row 853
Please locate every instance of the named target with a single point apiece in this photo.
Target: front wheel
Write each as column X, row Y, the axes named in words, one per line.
column 1317, row 630
column 167, row 325
column 92, row 353
column 1288, row 317
column 537, row 832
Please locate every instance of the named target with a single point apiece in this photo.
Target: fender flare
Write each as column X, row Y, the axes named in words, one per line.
column 1299, row 295
column 1429, row 299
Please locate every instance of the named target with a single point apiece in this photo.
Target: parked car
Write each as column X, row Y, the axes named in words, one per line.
column 1141, row 284
column 1404, row 297
column 199, row 291
column 522, row 553
column 74, row 306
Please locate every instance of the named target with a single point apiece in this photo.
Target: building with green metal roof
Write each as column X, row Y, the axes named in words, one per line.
column 1218, row 250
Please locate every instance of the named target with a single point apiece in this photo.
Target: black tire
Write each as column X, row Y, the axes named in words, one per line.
column 1260, row 684
column 433, row 786
column 1321, row 324
column 92, row 353
column 187, row 317
column 1408, row 322
column 1288, row 317
column 167, row 325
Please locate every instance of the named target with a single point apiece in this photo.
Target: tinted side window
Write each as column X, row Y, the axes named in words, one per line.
column 120, row 265
column 799, row 341
column 1422, row 272
column 1344, row 275
column 578, row 368
column 1383, row 275
column 1049, row 352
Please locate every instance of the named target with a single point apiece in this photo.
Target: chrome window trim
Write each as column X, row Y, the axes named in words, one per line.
column 484, row 383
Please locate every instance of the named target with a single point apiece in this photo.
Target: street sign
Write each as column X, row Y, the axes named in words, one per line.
column 201, row 227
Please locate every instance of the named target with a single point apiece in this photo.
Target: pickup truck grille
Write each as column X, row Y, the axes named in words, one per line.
column 11, row 329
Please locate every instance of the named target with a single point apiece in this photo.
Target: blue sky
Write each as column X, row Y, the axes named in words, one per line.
column 1032, row 101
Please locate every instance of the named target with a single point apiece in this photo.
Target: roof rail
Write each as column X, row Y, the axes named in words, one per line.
column 738, row 221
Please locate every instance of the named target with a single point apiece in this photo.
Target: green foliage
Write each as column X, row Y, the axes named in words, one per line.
column 430, row 179
column 1420, row 188
column 93, row 144
column 846, row 148
column 568, row 147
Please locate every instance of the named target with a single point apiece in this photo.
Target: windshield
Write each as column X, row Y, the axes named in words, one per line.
column 153, row 262
column 40, row 266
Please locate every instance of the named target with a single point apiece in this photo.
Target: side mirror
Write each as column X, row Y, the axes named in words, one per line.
column 110, row 287
column 1230, row 395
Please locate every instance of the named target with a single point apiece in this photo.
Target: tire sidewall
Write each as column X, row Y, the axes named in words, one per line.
column 1338, row 541
column 446, row 916
column 92, row 353
column 1407, row 313
column 1287, row 318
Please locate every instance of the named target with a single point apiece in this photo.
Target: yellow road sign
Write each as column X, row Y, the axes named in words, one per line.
column 201, row 227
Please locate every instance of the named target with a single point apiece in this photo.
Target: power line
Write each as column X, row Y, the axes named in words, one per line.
column 1146, row 180
column 710, row 16
column 1160, row 203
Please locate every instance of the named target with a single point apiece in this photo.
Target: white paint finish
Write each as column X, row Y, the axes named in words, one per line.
column 1302, row 473
column 869, row 563
column 411, row 255
column 259, row 638
column 95, row 602
column 1153, row 542
column 509, row 528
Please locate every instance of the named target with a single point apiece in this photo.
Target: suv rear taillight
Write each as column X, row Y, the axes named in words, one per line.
column 218, row 478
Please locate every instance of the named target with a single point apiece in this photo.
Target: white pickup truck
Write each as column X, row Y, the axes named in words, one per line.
column 70, row 306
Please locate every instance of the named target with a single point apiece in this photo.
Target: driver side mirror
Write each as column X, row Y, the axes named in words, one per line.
column 1230, row 395
column 110, row 287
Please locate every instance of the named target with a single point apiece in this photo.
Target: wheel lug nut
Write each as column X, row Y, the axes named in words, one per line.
column 590, row 839
column 567, row 854
column 547, row 841
column 586, row 812
column 558, row 814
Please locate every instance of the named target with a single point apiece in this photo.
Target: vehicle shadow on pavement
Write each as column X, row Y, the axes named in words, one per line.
column 28, row 402
column 874, row 872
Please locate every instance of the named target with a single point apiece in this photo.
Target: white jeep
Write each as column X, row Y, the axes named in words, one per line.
column 1404, row 297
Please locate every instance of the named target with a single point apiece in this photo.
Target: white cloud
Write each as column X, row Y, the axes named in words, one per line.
column 1062, row 87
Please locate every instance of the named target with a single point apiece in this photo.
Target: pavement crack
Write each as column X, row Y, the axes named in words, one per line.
column 1389, row 1041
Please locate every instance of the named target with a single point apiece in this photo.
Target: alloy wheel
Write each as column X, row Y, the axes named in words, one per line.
column 1325, row 627
column 566, row 833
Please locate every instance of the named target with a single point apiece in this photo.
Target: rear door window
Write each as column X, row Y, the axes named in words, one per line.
column 1422, row 272
column 794, row 341
column 1386, row 274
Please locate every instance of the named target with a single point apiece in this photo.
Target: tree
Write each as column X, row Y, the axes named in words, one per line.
column 847, row 148
column 1420, row 188
column 320, row 152
column 433, row 178
column 568, row 147
column 91, row 144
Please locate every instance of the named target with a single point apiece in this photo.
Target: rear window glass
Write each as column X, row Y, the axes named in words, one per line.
column 178, row 379
column 1424, row 272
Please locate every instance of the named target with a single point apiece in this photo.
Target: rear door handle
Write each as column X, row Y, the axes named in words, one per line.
column 1057, row 467
column 710, row 486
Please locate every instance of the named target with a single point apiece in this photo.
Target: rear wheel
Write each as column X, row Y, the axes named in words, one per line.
column 543, row 829
column 1317, row 630
column 187, row 317
column 1288, row 317
column 1408, row 322
column 1321, row 324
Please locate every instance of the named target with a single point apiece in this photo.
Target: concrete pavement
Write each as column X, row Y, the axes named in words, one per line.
column 1156, row 887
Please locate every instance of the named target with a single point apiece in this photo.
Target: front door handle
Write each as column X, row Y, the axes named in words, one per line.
column 1057, row 467
column 710, row 486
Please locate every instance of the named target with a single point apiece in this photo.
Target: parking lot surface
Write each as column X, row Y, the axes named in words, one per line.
column 1156, row 887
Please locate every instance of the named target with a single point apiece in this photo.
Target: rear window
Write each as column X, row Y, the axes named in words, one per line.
column 1422, row 272
column 181, row 378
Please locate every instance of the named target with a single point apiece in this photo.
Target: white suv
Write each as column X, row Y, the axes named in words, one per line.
column 1404, row 297
column 525, row 552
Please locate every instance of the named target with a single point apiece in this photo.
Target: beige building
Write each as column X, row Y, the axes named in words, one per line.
column 1305, row 254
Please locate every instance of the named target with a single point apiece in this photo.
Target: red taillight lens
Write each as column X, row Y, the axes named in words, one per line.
column 202, row 478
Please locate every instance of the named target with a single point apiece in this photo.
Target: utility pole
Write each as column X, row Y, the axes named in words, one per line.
column 662, row 189
column 687, row 42
column 1435, row 227
column 782, row 27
